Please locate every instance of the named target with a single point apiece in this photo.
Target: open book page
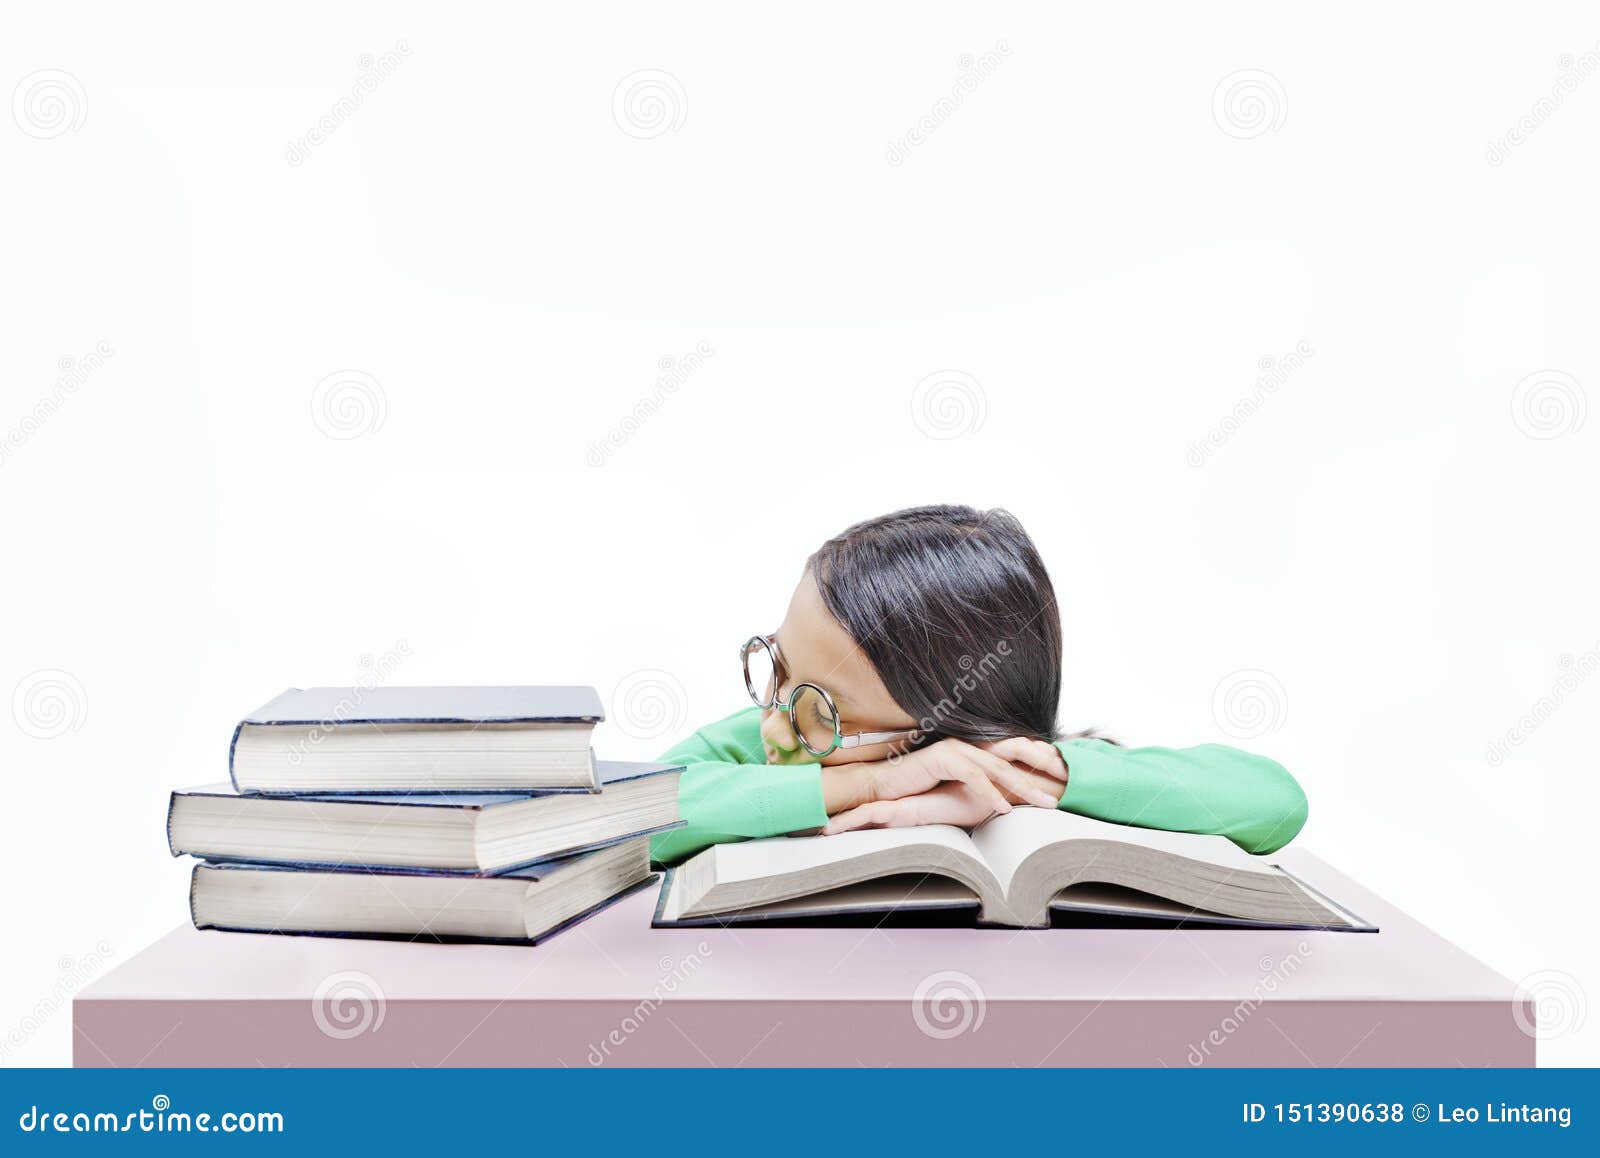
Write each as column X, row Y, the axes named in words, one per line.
column 782, row 855
column 759, row 872
column 904, row 892
column 1100, row 900
column 1006, row 841
column 1033, row 852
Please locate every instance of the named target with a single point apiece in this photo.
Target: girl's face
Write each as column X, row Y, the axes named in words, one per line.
column 815, row 649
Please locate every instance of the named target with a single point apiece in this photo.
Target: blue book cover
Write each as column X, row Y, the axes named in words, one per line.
column 543, row 704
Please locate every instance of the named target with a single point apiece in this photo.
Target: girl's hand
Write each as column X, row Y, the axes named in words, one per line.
column 987, row 770
column 1038, row 762
column 949, row 803
column 938, row 790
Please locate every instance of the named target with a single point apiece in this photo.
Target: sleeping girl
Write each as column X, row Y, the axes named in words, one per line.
column 915, row 679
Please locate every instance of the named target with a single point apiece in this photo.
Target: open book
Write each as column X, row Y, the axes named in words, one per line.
column 1015, row 870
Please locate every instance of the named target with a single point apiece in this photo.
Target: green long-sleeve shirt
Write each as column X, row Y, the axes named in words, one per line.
column 729, row 793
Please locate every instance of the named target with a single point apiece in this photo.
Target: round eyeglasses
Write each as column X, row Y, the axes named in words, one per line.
column 812, row 713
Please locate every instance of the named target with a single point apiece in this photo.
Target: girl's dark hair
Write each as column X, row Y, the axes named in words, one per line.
column 955, row 611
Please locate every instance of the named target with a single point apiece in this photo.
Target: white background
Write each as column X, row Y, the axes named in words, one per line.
column 1095, row 251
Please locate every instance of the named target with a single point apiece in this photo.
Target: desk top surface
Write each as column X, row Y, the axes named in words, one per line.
column 617, row 954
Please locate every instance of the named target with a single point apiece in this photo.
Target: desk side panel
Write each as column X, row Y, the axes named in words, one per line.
column 671, row 1032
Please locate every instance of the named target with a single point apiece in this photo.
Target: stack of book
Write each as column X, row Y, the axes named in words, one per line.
column 449, row 813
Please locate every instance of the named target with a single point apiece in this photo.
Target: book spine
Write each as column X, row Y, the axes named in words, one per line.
column 172, row 802
column 233, row 746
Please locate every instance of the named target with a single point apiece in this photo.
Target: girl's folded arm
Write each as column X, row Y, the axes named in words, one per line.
column 729, row 793
column 723, row 802
column 1251, row 800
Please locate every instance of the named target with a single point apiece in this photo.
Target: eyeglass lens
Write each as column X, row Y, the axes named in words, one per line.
column 760, row 673
column 813, row 719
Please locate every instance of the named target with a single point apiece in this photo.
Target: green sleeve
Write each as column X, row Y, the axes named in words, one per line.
column 729, row 793
column 1249, row 799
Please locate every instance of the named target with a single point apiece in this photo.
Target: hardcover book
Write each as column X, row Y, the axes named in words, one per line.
column 457, row 833
column 522, row 907
column 1017, row 870
column 415, row 739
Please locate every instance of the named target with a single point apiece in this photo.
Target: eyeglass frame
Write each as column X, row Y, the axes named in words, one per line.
column 840, row 740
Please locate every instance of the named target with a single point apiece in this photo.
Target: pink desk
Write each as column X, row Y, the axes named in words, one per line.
column 613, row 991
